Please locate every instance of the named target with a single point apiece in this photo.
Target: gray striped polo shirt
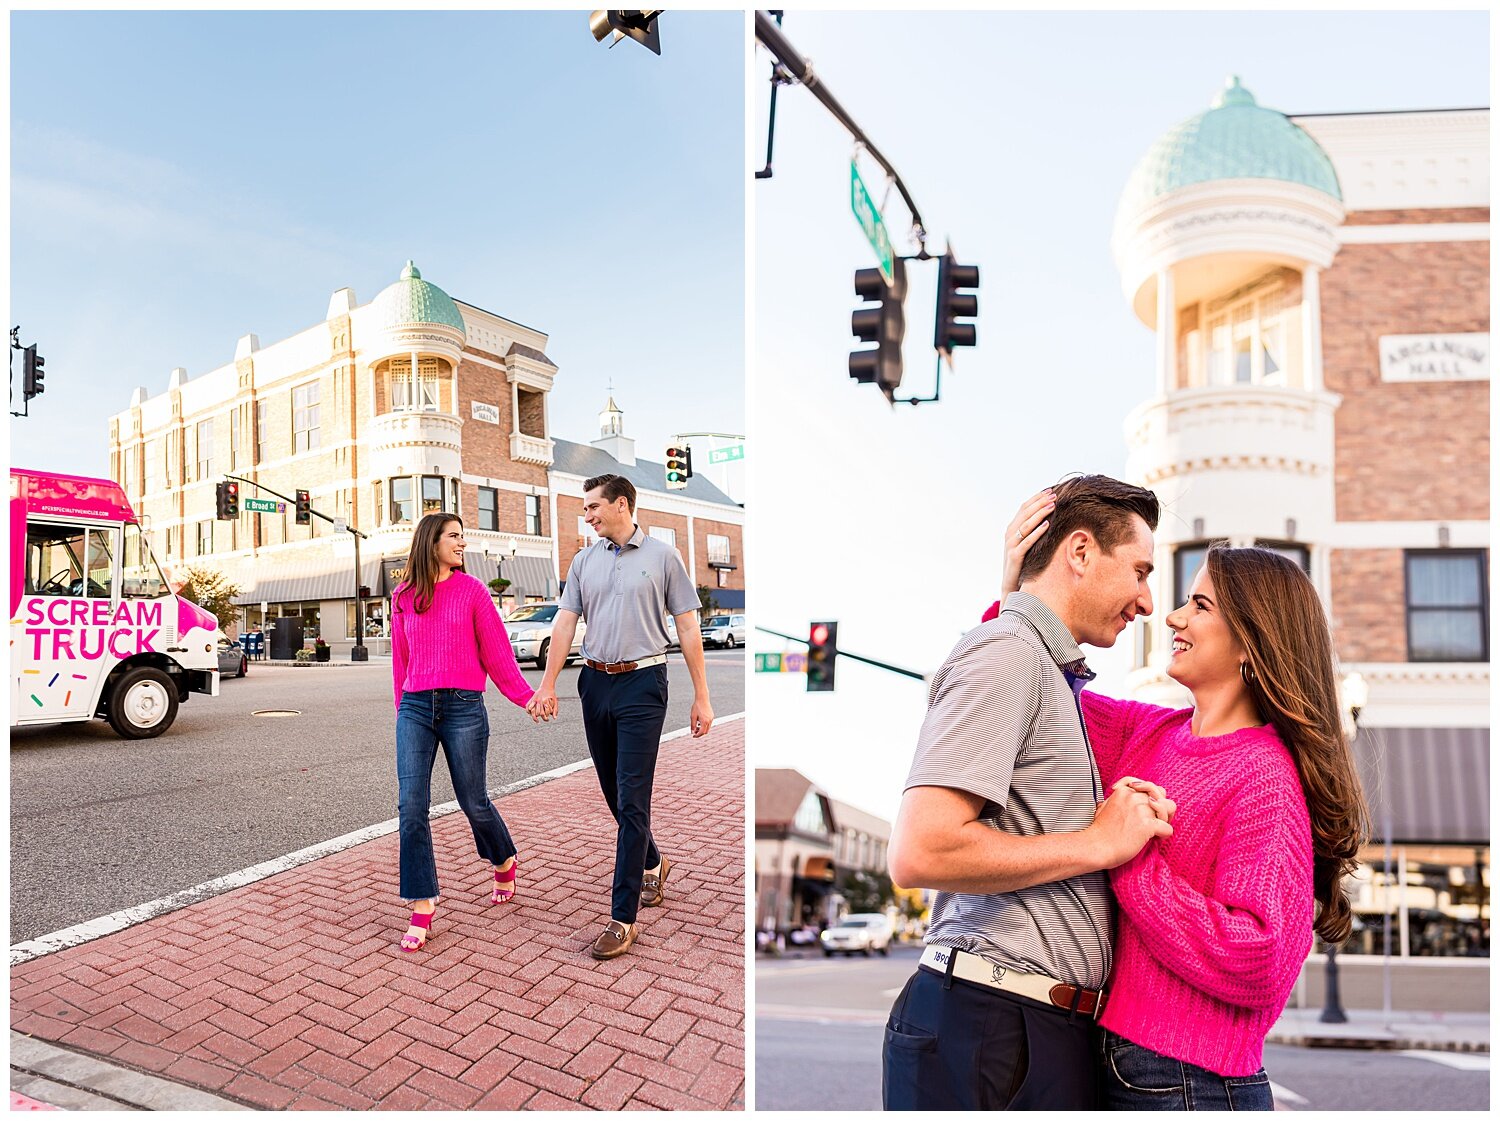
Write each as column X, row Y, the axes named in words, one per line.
column 1003, row 723
column 622, row 594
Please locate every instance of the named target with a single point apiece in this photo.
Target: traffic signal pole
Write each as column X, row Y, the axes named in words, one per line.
column 359, row 653
column 846, row 654
column 772, row 38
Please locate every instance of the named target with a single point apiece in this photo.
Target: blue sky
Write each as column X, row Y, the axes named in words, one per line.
column 1016, row 133
column 180, row 179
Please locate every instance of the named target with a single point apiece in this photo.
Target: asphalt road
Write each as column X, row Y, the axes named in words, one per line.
column 820, row 1024
column 98, row 823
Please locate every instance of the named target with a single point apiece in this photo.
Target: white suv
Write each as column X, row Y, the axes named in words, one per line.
column 530, row 632
column 858, row 934
column 723, row 630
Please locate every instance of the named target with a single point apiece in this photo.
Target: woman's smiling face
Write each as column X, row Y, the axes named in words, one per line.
column 1203, row 650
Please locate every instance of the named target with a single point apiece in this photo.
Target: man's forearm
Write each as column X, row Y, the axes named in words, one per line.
column 980, row 860
column 691, row 644
column 557, row 654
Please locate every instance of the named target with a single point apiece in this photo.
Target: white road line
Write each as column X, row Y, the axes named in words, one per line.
column 1458, row 1060
column 1282, row 1094
column 867, row 1017
column 109, row 924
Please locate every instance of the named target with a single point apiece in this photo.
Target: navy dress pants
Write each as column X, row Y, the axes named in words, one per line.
column 953, row 1045
column 623, row 714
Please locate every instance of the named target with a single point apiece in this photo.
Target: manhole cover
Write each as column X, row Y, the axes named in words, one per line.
column 276, row 712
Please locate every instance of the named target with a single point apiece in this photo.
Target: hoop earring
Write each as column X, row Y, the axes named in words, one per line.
column 1247, row 675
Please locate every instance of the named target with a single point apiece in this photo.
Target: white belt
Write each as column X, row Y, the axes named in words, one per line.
column 1036, row 986
column 626, row 667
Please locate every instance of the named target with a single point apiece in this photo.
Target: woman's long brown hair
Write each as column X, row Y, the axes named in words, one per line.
column 422, row 562
column 1273, row 610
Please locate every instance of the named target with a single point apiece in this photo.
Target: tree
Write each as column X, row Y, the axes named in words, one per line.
column 212, row 591
column 706, row 602
column 866, row 892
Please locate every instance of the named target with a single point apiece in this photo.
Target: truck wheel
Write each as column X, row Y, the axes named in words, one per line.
column 541, row 653
column 143, row 704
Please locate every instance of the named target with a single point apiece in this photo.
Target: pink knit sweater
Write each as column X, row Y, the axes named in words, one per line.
column 1215, row 920
column 454, row 643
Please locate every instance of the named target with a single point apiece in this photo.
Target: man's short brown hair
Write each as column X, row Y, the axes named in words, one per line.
column 1097, row 503
column 615, row 487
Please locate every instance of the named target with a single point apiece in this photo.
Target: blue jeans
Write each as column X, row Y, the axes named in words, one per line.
column 455, row 718
column 1137, row 1078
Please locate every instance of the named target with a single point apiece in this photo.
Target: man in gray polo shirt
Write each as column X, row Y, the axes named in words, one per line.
column 623, row 586
column 1005, row 818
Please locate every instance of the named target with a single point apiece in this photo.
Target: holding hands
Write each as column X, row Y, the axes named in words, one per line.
column 1125, row 822
column 543, row 704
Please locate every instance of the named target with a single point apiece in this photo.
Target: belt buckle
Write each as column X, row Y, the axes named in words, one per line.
column 1098, row 1004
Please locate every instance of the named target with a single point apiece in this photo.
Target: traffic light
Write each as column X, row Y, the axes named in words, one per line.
column 822, row 651
column 304, row 508
column 952, row 303
column 637, row 25
column 884, row 325
column 32, row 372
column 679, row 467
column 227, row 500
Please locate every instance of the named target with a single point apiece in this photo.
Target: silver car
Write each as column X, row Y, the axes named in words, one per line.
column 724, row 630
column 233, row 661
column 530, row 631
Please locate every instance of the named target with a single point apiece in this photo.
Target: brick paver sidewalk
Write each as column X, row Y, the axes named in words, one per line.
column 291, row 992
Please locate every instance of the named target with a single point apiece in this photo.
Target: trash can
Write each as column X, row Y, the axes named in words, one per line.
column 286, row 638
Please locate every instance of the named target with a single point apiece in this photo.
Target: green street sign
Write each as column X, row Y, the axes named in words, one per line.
column 871, row 222
column 781, row 663
column 724, row 455
column 263, row 506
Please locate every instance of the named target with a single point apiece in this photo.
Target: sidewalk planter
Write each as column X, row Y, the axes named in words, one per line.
column 322, row 652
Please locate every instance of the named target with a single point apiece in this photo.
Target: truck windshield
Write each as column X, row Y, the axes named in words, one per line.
column 140, row 576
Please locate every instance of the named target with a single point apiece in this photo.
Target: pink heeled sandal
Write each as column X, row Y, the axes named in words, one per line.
column 505, row 894
column 410, row 943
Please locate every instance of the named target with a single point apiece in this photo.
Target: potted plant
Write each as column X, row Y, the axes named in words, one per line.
column 302, row 658
column 321, row 650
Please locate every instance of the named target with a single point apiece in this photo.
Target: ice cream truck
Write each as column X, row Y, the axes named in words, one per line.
column 94, row 628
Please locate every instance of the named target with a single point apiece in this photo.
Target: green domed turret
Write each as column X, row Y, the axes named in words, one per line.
column 1234, row 139
column 414, row 300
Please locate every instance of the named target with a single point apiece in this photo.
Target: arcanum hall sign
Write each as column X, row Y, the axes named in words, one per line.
column 1435, row 357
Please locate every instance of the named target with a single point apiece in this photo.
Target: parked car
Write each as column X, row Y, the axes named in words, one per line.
column 724, row 630
column 233, row 660
column 672, row 643
column 858, row 934
column 530, row 632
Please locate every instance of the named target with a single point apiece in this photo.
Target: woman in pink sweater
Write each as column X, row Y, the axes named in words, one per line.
column 1216, row 920
column 446, row 637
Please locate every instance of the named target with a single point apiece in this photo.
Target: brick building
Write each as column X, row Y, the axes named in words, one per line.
column 1319, row 289
column 382, row 412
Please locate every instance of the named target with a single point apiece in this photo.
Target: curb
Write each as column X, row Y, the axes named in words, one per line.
column 73, row 1080
column 1377, row 1043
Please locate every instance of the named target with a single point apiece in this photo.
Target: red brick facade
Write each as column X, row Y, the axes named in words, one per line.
column 1406, row 451
column 1368, row 604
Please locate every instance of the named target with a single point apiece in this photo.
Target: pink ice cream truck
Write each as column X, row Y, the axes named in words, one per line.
column 94, row 628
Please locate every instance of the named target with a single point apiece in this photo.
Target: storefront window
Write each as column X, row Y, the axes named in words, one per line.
column 1434, row 900
column 374, row 618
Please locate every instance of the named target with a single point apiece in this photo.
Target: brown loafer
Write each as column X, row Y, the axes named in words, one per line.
column 652, row 885
column 616, row 939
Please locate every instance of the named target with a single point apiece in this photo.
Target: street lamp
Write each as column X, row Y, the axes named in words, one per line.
column 1356, row 696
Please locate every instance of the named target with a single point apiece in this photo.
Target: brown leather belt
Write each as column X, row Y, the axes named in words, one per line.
column 981, row 971
column 625, row 667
